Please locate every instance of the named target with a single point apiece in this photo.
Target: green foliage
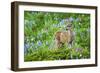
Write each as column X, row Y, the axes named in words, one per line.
column 56, row 54
column 39, row 33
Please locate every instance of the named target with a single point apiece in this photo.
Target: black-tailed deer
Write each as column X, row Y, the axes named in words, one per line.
column 64, row 37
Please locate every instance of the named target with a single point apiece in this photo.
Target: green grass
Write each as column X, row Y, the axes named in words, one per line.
column 56, row 54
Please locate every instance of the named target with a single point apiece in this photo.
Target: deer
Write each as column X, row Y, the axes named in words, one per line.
column 65, row 37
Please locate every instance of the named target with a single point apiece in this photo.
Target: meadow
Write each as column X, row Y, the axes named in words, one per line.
column 39, row 36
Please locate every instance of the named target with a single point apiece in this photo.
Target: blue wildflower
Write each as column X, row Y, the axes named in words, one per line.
column 71, row 19
column 88, row 30
column 26, row 46
column 62, row 22
column 55, row 25
column 30, row 23
column 32, row 43
column 40, row 35
column 67, row 19
column 39, row 43
column 77, row 20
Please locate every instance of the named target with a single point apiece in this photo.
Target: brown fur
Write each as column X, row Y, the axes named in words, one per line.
column 64, row 38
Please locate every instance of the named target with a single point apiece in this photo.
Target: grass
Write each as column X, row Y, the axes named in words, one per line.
column 57, row 54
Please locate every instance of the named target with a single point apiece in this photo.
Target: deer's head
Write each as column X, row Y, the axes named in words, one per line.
column 69, row 26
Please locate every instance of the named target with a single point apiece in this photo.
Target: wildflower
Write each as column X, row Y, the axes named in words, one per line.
column 32, row 43
column 66, row 19
column 88, row 30
column 77, row 20
column 40, row 35
column 27, row 39
column 62, row 22
column 26, row 47
column 55, row 25
column 30, row 23
column 71, row 19
column 39, row 43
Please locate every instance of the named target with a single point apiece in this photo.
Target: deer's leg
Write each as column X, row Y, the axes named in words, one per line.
column 57, row 45
column 66, row 44
column 70, row 44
